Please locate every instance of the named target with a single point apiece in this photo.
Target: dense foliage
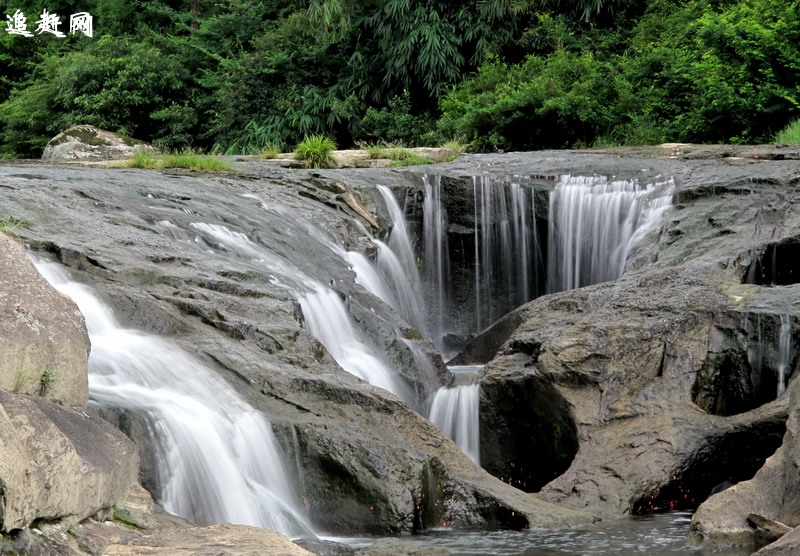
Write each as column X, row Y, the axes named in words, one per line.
column 240, row 75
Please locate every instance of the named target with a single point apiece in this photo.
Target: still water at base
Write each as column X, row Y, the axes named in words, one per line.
column 655, row 535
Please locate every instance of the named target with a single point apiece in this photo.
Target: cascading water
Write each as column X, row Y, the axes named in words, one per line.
column 327, row 319
column 325, row 314
column 594, row 222
column 397, row 262
column 784, row 351
column 436, row 263
column 455, row 410
column 507, row 253
column 217, row 459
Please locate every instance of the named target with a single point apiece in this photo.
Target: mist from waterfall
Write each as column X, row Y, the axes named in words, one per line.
column 217, row 460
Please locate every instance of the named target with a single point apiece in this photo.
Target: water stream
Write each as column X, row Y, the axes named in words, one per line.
column 784, row 351
column 455, row 409
column 217, row 459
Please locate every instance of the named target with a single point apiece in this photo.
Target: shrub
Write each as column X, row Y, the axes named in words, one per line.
column 396, row 123
column 316, row 151
column 563, row 100
column 45, row 382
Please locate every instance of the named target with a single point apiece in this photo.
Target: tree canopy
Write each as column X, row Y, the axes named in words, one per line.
column 236, row 75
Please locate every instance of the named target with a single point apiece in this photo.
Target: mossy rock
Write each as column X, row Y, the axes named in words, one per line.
column 85, row 142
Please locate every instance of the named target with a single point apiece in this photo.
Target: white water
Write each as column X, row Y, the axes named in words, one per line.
column 327, row 319
column 217, row 459
column 368, row 277
column 325, row 314
column 397, row 262
column 455, row 410
column 436, row 264
column 594, row 223
column 507, row 254
column 784, row 351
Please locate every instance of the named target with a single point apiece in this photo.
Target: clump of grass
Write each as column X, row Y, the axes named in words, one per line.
column 142, row 159
column 270, row 151
column 413, row 160
column 316, row 151
column 455, row 145
column 392, row 151
column 188, row 160
column 790, row 134
column 21, row 380
column 195, row 162
column 45, row 382
column 398, row 154
column 374, row 151
column 9, row 226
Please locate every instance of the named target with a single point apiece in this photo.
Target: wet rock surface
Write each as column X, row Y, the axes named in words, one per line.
column 364, row 461
column 625, row 362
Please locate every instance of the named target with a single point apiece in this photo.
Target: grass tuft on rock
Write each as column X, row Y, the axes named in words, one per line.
column 413, row 160
column 188, row 160
column 316, row 151
column 790, row 134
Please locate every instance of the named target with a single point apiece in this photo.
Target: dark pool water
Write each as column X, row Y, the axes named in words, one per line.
column 655, row 535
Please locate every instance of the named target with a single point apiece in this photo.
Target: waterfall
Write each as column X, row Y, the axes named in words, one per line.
column 327, row 319
column 368, row 277
column 784, row 351
column 325, row 314
column 594, row 222
column 455, row 410
column 397, row 262
column 218, row 461
column 436, row 263
column 507, row 254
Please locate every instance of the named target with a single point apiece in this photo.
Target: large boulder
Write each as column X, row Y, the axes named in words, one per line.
column 650, row 392
column 774, row 492
column 85, row 142
column 44, row 347
column 58, row 464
